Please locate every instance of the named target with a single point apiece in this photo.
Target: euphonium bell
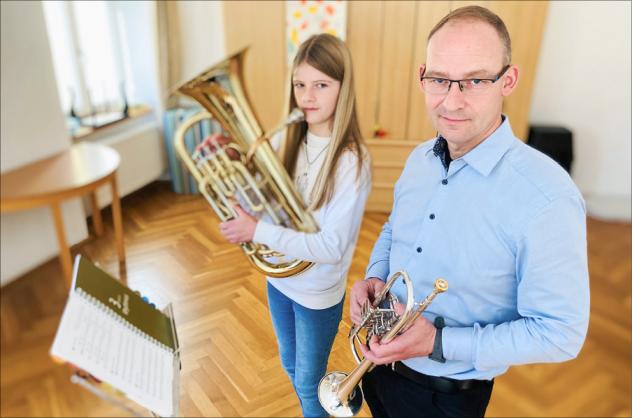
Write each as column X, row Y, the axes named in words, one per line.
column 255, row 178
column 339, row 393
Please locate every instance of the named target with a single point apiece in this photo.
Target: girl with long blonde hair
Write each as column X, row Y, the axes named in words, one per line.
column 327, row 158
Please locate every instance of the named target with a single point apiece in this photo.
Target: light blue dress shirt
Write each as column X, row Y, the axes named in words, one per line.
column 506, row 227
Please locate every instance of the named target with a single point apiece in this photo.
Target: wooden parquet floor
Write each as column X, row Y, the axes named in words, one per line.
column 230, row 365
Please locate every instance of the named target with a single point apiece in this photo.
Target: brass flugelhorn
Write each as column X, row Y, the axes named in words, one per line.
column 339, row 393
column 246, row 169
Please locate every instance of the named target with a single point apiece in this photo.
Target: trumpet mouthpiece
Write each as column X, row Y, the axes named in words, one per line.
column 441, row 285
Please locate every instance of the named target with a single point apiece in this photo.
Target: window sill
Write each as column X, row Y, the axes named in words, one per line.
column 89, row 133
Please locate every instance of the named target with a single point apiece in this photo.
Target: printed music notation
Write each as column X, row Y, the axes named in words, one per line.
column 103, row 344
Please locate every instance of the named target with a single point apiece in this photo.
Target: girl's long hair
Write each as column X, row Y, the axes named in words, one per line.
column 329, row 55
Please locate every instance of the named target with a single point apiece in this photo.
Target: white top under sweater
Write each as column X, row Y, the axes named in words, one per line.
column 331, row 249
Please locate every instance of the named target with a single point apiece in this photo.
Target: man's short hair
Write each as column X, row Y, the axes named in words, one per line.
column 481, row 14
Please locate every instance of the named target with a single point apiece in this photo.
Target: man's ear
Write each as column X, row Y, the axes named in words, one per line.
column 510, row 80
column 422, row 69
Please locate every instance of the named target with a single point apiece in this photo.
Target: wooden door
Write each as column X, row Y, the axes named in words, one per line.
column 387, row 40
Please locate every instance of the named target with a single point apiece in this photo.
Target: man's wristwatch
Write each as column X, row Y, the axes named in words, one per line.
column 437, row 349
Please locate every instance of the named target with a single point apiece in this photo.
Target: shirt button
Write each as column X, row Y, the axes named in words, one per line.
column 432, row 216
column 418, row 249
column 444, row 181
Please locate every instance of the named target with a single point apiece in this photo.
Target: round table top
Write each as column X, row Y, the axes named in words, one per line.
column 80, row 166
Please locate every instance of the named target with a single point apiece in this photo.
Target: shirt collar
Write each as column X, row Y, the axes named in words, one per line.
column 484, row 157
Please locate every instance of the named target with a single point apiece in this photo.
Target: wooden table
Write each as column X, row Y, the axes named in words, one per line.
column 80, row 170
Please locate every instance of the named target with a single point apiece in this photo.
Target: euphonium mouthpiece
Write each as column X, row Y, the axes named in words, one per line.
column 257, row 178
column 296, row 115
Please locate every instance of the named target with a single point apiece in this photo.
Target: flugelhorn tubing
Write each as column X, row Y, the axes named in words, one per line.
column 346, row 387
column 377, row 300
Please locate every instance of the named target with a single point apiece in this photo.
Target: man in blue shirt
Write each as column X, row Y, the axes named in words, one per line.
column 501, row 222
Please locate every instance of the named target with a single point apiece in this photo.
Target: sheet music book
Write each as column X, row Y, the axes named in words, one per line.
column 110, row 332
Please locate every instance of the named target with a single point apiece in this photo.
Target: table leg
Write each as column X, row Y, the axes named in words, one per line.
column 64, row 251
column 118, row 228
column 97, row 221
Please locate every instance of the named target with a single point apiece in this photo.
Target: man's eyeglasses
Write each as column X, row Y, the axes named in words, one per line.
column 470, row 86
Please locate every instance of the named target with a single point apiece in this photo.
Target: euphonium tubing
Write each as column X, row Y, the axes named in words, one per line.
column 257, row 177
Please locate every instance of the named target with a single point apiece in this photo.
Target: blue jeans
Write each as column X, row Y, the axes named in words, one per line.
column 305, row 337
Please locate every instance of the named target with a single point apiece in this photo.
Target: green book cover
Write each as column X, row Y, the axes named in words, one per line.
column 123, row 301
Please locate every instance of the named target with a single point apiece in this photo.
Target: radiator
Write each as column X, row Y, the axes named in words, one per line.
column 181, row 180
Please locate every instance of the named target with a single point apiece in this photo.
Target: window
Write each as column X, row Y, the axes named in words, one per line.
column 90, row 56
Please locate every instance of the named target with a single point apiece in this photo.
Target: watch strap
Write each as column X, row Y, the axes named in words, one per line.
column 437, row 349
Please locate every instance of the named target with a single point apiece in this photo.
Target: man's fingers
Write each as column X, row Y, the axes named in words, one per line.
column 385, row 352
column 359, row 294
column 355, row 316
column 399, row 308
column 373, row 355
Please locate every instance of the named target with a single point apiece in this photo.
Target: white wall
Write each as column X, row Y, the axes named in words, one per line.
column 202, row 35
column 583, row 83
column 32, row 127
column 139, row 143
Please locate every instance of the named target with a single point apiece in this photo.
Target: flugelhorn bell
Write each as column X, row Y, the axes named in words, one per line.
column 339, row 393
column 256, row 178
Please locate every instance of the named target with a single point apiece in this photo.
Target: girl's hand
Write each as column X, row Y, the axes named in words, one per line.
column 241, row 229
column 216, row 141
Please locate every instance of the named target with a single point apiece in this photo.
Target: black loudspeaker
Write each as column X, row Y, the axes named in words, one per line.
column 554, row 141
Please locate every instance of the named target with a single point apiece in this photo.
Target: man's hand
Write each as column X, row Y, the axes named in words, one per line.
column 416, row 341
column 241, row 229
column 360, row 292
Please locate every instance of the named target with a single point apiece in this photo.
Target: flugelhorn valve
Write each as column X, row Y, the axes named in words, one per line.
column 339, row 393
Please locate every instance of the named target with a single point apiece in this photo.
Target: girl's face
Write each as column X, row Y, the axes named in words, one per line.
column 316, row 94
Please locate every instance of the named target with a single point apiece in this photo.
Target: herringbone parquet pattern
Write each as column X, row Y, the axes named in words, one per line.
column 230, row 365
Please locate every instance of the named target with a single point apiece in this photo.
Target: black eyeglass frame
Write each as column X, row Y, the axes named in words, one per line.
column 493, row 80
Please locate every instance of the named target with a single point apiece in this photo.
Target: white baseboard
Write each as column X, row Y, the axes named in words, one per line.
column 143, row 159
column 609, row 208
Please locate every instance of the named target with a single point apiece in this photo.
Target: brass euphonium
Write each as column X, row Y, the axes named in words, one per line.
column 339, row 393
column 256, row 178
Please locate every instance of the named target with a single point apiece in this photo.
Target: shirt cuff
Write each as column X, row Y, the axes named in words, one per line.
column 458, row 344
column 265, row 233
column 378, row 269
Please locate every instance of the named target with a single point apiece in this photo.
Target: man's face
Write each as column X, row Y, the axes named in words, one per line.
column 466, row 50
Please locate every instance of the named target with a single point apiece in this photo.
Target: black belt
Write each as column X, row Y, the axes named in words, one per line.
column 436, row 383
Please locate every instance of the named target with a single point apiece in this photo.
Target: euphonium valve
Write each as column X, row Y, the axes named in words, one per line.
column 246, row 169
column 339, row 393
